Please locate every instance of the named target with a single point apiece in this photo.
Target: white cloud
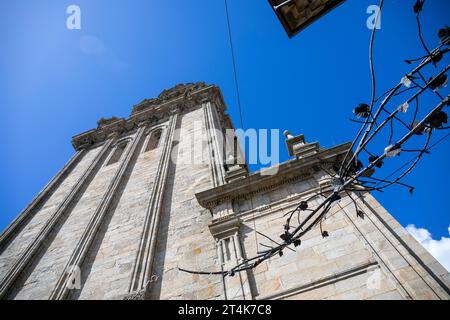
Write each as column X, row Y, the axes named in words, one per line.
column 440, row 249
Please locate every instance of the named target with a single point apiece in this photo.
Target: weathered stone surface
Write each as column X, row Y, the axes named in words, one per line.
column 42, row 214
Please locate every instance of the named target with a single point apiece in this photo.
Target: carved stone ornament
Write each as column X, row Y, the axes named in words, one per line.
column 106, row 121
column 152, row 111
column 139, row 295
column 184, row 90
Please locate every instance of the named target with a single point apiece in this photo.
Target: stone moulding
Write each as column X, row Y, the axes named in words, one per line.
column 153, row 111
column 256, row 183
column 275, row 206
column 259, row 212
column 346, row 274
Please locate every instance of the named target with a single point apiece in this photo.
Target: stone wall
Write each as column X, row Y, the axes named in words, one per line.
column 39, row 280
column 362, row 258
column 107, row 271
column 184, row 239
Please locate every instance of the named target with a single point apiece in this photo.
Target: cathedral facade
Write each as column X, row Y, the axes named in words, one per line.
column 126, row 213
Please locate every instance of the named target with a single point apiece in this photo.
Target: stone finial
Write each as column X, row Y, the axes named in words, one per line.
column 298, row 147
column 234, row 169
column 236, row 172
column 288, row 134
column 231, row 159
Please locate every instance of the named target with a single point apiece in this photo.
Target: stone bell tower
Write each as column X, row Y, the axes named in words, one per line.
column 147, row 195
column 119, row 217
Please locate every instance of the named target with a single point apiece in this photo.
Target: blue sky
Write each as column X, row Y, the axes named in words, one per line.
column 55, row 82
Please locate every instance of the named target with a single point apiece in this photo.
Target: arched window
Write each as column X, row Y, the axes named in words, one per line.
column 153, row 140
column 117, row 153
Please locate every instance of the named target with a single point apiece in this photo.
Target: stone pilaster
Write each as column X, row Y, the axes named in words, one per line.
column 215, row 144
column 81, row 250
column 226, row 233
column 25, row 258
column 144, row 259
column 26, row 214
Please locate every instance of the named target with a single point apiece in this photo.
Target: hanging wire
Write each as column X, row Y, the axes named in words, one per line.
column 233, row 58
column 238, row 95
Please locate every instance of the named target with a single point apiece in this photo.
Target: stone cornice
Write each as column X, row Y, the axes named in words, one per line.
column 177, row 92
column 153, row 111
column 288, row 171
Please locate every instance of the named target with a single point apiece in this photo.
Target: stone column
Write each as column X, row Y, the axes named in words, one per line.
column 144, row 259
column 215, row 145
column 84, row 244
column 226, row 233
column 236, row 287
column 18, row 267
